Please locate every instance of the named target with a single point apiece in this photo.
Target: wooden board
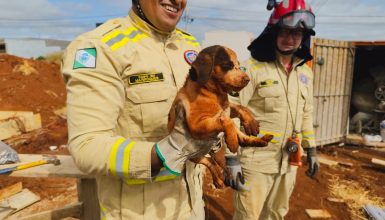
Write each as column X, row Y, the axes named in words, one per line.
column 11, row 190
column 73, row 210
column 378, row 162
column 67, row 167
column 11, row 114
column 318, row 213
column 20, row 200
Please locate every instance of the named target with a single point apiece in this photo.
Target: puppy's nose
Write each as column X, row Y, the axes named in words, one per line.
column 245, row 79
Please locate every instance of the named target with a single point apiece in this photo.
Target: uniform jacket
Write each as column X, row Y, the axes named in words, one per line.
column 122, row 78
column 265, row 96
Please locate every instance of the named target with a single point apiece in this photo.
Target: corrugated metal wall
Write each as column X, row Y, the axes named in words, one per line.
column 333, row 68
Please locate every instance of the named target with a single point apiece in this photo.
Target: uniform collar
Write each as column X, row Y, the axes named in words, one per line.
column 296, row 60
column 149, row 29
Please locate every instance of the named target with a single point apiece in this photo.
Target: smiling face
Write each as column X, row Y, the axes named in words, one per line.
column 163, row 14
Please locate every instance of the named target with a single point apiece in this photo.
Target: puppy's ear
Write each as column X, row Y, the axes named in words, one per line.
column 202, row 68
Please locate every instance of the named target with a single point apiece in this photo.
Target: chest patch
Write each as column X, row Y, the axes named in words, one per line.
column 267, row 83
column 145, row 78
column 303, row 78
column 190, row 56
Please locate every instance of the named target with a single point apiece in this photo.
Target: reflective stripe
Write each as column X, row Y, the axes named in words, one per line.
column 309, row 135
column 188, row 38
column 103, row 211
column 164, row 175
column 276, row 139
column 118, row 38
column 254, row 65
column 113, row 153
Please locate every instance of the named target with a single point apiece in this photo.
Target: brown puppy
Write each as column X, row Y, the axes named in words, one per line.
column 203, row 99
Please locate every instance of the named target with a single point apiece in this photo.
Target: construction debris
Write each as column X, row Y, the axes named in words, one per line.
column 375, row 212
column 318, row 213
column 16, row 123
column 17, row 202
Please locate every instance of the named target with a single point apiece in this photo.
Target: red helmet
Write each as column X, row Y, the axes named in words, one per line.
column 292, row 14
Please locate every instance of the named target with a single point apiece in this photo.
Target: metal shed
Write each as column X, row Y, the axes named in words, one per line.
column 337, row 66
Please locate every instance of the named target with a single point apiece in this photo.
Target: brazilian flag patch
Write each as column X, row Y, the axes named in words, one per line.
column 85, row 58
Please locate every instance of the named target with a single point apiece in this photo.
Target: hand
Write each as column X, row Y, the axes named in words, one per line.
column 179, row 146
column 313, row 165
column 233, row 175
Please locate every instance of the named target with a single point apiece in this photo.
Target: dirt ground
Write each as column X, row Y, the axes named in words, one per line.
column 38, row 86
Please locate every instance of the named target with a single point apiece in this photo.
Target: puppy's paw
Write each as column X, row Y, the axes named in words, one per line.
column 267, row 137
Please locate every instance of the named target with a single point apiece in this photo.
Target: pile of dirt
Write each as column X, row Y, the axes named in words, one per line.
column 36, row 86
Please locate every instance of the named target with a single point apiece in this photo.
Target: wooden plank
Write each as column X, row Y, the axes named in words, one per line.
column 20, row 200
column 11, row 190
column 18, row 125
column 318, row 213
column 9, row 128
column 67, row 167
column 378, row 162
column 12, row 114
column 326, row 161
column 87, row 192
column 5, row 211
column 73, row 210
column 31, row 123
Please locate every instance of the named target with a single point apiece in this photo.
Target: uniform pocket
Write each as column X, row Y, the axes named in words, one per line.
column 153, row 101
column 270, row 94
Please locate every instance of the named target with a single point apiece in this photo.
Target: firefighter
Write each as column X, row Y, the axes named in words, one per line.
column 280, row 96
column 122, row 78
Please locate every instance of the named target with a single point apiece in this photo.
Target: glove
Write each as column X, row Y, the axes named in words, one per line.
column 233, row 176
column 179, row 146
column 313, row 165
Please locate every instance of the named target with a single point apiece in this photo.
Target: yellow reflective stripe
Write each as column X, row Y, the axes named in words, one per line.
column 111, row 35
column 119, row 44
column 126, row 160
column 276, row 138
column 134, row 181
column 308, row 135
column 165, row 178
column 254, row 65
column 195, row 44
column 103, row 211
column 113, row 154
column 129, row 30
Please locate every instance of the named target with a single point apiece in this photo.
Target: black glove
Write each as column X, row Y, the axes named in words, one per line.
column 313, row 165
column 233, row 175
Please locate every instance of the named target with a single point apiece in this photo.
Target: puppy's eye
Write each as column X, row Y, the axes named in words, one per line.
column 226, row 66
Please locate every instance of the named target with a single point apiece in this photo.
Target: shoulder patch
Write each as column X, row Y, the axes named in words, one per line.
column 303, row 78
column 85, row 58
column 190, row 56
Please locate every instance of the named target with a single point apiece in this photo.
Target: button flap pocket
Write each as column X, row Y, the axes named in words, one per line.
column 149, row 93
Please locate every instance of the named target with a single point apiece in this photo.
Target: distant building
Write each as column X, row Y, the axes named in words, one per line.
column 237, row 41
column 31, row 47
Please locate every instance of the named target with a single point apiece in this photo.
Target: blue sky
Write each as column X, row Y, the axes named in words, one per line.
column 65, row 19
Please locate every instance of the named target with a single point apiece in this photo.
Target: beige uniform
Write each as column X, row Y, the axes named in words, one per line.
column 122, row 78
column 280, row 103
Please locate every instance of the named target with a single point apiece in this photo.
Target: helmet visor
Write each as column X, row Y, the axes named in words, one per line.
column 296, row 18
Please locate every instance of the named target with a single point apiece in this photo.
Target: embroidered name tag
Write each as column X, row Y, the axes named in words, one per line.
column 268, row 82
column 145, row 78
